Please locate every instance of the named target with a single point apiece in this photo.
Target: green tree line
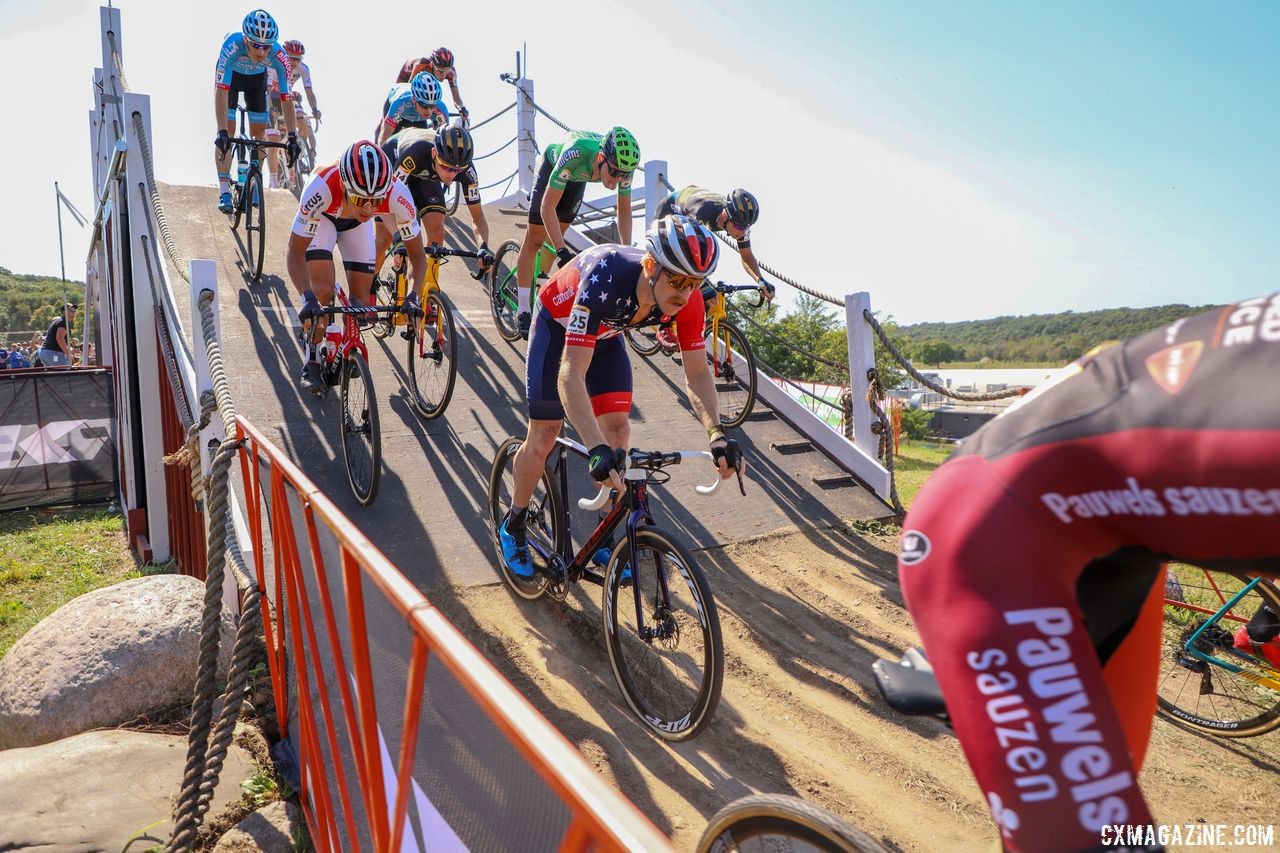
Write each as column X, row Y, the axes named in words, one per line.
column 29, row 303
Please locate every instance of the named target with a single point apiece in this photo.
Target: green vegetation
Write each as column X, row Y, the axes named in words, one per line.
column 916, row 460
column 29, row 303
column 1036, row 338
column 49, row 557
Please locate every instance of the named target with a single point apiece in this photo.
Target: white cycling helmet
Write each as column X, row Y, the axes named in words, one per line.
column 365, row 170
column 425, row 88
column 259, row 27
column 683, row 245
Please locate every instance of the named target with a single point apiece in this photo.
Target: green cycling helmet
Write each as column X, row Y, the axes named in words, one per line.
column 620, row 149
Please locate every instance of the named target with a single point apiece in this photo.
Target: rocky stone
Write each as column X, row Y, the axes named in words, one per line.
column 108, row 790
column 271, row 829
column 104, row 659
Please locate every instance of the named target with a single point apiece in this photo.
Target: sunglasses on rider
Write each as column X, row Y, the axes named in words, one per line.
column 256, row 46
column 617, row 173
column 362, row 201
column 453, row 170
column 681, row 283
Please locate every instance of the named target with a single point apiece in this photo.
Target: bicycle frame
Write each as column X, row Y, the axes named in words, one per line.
column 1266, row 677
column 547, row 250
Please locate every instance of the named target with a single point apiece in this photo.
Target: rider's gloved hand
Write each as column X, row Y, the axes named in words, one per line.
column 316, row 113
column 767, row 290
column 726, row 453
column 311, row 309
column 222, row 141
column 604, row 461
column 411, row 308
column 565, row 255
column 486, row 256
column 464, row 112
column 292, row 148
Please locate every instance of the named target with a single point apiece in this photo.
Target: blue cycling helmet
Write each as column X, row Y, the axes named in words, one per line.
column 425, row 88
column 260, row 28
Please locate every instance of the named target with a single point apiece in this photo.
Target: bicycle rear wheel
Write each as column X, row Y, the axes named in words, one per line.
column 255, row 224
column 673, row 680
column 733, row 366
column 643, row 341
column 545, row 519
column 452, row 207
column 780, row 824
column 1205, row 696
column 433, row 359
column 361, row 442
column 503, row 292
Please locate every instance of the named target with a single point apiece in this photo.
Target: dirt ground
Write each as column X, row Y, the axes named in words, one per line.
column 803, row 615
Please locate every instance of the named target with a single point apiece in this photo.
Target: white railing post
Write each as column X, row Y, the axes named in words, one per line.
column 654, row 189
column 526, row 146
column 149, row 374
column 862, row 357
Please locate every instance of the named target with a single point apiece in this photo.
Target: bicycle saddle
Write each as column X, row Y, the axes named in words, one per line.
column 909, row 686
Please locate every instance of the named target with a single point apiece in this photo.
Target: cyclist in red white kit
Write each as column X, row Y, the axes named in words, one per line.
column 338, row 209
column 1032, row 560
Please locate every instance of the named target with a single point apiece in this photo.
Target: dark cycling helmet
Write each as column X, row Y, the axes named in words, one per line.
column 743, row 208
column 454, row 146
column 683, row 245
column 365, row 171
column 259, row 27
column 442, row 58
column 620, row 149
column 293, row 47
column 425, row 88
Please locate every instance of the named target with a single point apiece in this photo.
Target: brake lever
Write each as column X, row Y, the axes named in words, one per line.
column 738, row 469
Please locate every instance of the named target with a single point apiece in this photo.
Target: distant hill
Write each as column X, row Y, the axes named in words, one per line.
column 1052, row 338
column 28, row 303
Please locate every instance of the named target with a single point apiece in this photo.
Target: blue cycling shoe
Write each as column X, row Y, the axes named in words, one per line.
column 515, row 551
column 601, row 559
column 224, row 203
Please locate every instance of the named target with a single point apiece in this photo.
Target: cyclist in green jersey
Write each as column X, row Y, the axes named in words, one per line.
column 566, row 169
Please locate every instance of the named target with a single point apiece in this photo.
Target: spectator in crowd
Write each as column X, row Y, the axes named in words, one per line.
column 55, row 350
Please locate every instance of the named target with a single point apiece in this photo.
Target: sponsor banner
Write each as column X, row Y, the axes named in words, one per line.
column 57, row 437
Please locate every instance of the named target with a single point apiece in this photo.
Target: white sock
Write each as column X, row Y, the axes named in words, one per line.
column 224, row 186
column 522, row 299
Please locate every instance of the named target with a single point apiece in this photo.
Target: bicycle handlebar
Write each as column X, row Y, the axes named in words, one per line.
column 641, row 460
column 724, row 288
column 361, row 310
column 256, row 143
column 437, row 251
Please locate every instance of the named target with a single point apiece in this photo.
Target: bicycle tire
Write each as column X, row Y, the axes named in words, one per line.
column 433, row 360
column 733, row 368
column 504, row 292
column 693, row 615
column 779, row 822
column 643, row 341
column 1205, row 697
column 545, row 520
column 384, row 293
column 255, row 200
column 237, row 204
column 361, row 441
column 452, row 207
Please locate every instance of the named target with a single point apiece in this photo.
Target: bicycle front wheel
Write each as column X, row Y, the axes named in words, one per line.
column 733, row 367
column 361, row 443
column 1202, row 695
column 779, row 823
column 433, row 359
column 643, row 341
column 503, row 291
column 544, row 521
column 255, row 224
column 671, row 666
column 452, row 207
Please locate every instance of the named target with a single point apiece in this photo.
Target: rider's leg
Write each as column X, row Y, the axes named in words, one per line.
column 534, row 237
column 357, row 247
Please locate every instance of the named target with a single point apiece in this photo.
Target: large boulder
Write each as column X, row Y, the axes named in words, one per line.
column 104, row 659
column 272, row 829
column 98, row 790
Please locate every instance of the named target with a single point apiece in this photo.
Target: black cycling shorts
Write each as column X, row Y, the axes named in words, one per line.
column 254, row 88
column 570, row 201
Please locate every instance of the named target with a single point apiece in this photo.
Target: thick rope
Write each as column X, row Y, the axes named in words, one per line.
column 875, row 394
column 771, row 271
column 931, row 385
column 508, row 144
column 180, row 261
column 473, row 128
column 740, row 314
column 507, row 179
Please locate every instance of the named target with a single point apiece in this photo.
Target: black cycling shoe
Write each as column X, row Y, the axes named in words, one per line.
column 312, row 380
column 522, row 323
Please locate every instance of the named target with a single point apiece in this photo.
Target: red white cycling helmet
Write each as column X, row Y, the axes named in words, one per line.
column 365, row 171
column 442, row 58
column 293, row 47
column 682, row 245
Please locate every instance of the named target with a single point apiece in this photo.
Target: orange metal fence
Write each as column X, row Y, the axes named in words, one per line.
column 363, row 667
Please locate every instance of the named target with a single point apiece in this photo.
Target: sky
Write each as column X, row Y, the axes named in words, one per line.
column 955, row 160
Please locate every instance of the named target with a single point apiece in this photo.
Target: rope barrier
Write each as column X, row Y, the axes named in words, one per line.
column 476, row 127
column 738, row 312
column 931, row 385
column 875, row 393
column 507, row 179
column 180, row 261
column 491, row 153
column 771, row 271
